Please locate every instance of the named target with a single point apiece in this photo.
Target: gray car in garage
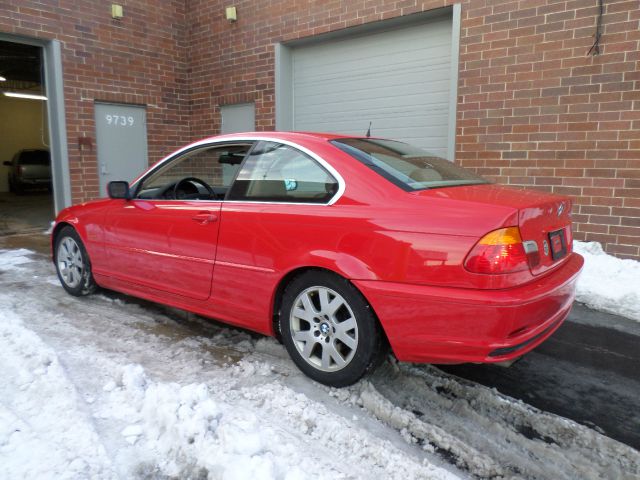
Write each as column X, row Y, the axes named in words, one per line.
column 29, row 169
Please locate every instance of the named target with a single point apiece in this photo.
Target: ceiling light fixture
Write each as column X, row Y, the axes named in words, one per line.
column 24, row 95
column 2, row 79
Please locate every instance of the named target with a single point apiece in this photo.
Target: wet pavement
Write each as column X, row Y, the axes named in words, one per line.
column 32, row 212
column 36, row 241
column 588, row 371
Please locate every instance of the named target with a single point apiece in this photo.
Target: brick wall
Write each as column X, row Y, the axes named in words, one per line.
column 536, row 110
column 140, row 59
column 533, row 109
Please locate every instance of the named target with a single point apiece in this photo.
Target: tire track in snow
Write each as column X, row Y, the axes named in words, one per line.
column 490, row 434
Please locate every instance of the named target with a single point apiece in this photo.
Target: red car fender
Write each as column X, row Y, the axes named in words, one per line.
column 341, row 263
column 66, row 218
column 88, row 220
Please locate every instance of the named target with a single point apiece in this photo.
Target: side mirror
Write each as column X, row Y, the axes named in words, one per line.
column 7, row 163
column 119, row 189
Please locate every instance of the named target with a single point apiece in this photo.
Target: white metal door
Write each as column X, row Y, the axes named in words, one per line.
column 121, row 138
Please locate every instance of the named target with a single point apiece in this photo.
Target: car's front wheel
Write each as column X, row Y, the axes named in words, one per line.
column 72, row 263
column 329, row 329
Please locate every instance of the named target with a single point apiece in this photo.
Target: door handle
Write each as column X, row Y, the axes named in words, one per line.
column 205, row 217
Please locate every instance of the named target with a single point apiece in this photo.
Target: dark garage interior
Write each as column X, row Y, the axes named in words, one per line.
column 26, row 201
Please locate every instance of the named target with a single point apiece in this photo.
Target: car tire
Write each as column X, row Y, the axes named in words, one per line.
column 329, row 329
column 18, row 188
column 72, row 263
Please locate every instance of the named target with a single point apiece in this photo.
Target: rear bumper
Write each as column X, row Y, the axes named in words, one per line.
column 454, row 325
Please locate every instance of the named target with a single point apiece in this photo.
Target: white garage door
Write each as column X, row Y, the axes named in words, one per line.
column 399, row 80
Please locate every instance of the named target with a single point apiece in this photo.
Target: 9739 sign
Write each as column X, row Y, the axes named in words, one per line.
column 119, row 120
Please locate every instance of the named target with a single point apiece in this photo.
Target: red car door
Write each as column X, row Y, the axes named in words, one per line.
column 165, row 238
column 167, row 245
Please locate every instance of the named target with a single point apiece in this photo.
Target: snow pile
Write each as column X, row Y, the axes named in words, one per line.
column 608, row 283
column 44, row 432
column 264, row 431
column 181, row 431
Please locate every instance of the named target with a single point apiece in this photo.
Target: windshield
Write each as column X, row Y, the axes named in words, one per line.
column 408, row 167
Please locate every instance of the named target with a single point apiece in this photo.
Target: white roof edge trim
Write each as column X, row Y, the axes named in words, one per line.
column 240, row 138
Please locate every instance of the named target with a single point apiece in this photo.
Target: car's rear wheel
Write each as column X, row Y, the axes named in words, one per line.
column 329, row 329
column 72, row 263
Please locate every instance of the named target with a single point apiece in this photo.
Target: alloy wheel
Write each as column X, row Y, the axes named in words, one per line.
column 324, row 328
column 70, row 262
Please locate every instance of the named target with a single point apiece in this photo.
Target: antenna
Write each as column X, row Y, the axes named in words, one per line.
column 369, row 130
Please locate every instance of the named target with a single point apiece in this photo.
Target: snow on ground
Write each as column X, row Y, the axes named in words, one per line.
column 110, row 387
column 41, row 415
column 102, row 388
column 608, row 283
column 12, row 259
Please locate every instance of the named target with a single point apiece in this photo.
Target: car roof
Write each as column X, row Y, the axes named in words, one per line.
column 292, row 136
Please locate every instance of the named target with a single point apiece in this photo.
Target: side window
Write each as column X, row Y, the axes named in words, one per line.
column 280, row 173
column 200, row 174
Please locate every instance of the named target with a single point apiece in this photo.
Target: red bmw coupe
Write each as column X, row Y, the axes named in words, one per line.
column 336, row 245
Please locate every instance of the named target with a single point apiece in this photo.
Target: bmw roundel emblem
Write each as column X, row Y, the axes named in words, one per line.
column 545, row 246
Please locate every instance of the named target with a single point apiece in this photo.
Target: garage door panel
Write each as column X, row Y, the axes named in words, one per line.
column 405, row 94
column 391, row 73
column 406, row 42
column 381, row 114
column 361, row 86
column 371, row 64
column 399, row 80
column 354, row 120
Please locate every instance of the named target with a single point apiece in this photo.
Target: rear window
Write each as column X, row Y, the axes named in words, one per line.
column 408, row 167
column 34, row 157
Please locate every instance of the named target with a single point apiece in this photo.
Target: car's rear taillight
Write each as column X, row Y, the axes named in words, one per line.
column 500, row 251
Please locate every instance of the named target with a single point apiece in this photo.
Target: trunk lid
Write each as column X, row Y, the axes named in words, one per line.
column 547, row 222
column 543, row 218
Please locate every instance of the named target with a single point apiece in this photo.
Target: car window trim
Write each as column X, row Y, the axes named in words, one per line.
column 326, row 165
column 231, row 140
column 137, row 183
column 255, row 145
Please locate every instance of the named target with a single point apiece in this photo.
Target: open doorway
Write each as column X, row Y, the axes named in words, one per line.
column 26, row 186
